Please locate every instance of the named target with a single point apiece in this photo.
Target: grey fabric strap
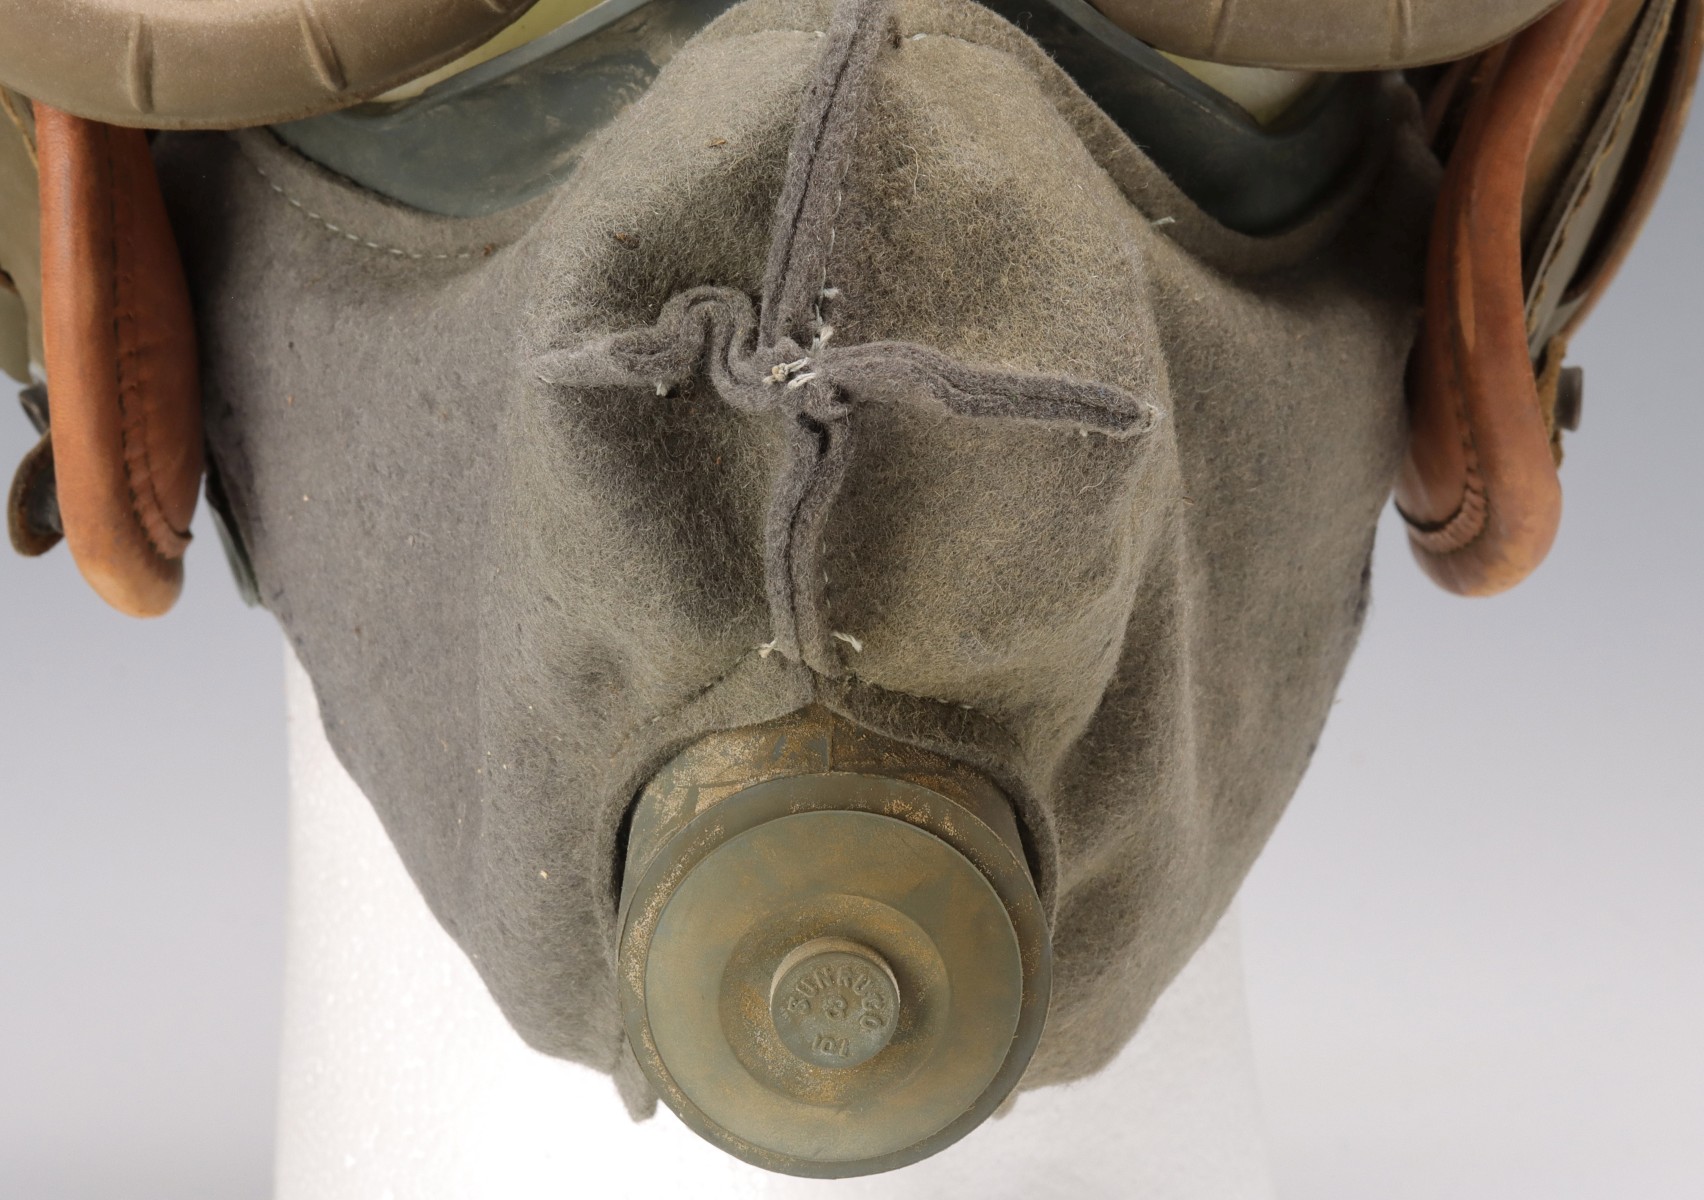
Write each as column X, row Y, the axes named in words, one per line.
column 778, row 357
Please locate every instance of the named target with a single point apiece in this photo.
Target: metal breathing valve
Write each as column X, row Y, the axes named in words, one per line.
column 833, row 959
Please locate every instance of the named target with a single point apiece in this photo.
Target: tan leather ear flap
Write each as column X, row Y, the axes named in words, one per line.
column 1547, row 110
column 1324, row 35
column 220, row 64
column 119, row 342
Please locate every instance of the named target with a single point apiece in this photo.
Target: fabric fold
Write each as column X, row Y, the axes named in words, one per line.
column 755, row 362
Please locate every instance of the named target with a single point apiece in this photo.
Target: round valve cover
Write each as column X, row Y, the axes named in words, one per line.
column 833, row 973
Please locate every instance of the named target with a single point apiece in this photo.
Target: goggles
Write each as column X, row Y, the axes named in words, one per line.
column 1556, row 138
column 1076, row 655
column 166, row 64
column 512, row 127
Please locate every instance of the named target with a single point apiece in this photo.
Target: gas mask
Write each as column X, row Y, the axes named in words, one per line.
column 827, row 531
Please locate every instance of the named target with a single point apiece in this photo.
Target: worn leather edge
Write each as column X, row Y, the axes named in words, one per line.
column 168, row 64
column 120, row 349
column 1479, row 488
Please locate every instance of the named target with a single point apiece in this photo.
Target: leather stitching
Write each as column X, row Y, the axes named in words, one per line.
column 1467, row 523
column 129, row 384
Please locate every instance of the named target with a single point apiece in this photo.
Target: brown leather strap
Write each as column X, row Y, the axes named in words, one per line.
column 120, row 348
column 1555, row 114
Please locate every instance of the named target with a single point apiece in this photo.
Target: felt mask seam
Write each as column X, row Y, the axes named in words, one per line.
column 819, row 440
column 592, row 440
column 689, row 699
column 845, row 686
column 878, row 371
column 757, row 365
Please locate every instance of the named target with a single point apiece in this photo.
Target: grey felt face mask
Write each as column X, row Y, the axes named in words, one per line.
column 864, row 363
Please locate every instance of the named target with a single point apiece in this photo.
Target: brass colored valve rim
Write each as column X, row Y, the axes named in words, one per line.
column 902, row 927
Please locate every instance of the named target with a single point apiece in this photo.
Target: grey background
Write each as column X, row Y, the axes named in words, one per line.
column 1475, row 946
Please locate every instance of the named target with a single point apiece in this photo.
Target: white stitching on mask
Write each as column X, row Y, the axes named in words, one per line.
column 354, row 237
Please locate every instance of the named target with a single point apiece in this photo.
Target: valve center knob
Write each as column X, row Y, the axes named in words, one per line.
column 834, row 1003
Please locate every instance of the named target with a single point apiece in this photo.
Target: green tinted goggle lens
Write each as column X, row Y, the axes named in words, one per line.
column 512, row 128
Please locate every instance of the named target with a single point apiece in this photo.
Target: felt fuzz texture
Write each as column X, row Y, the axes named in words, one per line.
column 862, row 362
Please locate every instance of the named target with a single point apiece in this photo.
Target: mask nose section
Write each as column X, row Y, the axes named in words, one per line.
column 833, row 958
